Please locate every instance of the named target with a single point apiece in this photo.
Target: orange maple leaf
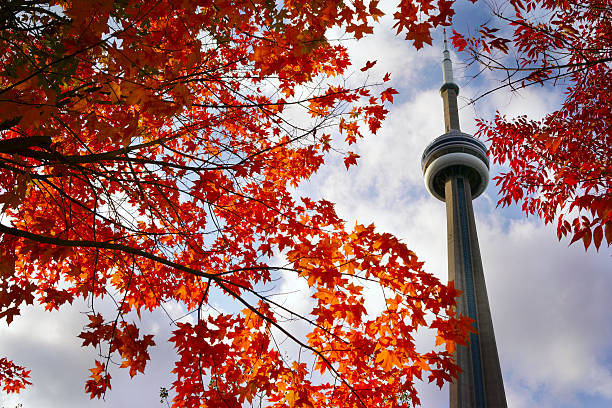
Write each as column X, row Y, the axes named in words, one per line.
column 387, row 94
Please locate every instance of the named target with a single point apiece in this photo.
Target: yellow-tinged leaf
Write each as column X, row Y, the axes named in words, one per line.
column 290, row 398
column 422, row 364
column 387, row 359
column 181, row 292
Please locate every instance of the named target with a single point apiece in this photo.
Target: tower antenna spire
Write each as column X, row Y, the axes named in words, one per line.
column 447, row 64
column 449, row 91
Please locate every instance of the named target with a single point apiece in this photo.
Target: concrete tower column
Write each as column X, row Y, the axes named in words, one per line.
column 456, row 170
column 480, row 384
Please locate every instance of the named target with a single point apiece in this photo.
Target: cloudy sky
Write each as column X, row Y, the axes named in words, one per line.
column 551, row 303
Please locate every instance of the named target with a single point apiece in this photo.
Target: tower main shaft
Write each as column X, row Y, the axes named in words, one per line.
column 480, row 384
column 456, row 170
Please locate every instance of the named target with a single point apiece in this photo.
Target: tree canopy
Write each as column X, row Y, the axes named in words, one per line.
column 149, row 152
column 559, row 167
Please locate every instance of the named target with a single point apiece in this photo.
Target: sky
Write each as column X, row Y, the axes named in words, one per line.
column 551, row 303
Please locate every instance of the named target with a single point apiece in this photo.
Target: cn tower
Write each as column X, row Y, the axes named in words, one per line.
column 456, row 170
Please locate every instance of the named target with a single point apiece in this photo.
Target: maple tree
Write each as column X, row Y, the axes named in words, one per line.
column 148, row 153
column 559, row 167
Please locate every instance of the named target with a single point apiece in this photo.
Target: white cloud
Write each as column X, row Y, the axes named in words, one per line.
column 46, row 343
column 551, row 316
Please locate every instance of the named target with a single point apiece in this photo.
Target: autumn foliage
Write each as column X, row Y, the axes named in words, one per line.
column 12, row 377
column 149, row 153
column 559, row 167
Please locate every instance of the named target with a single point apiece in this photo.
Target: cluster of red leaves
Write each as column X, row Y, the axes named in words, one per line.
column 123, row 338
column 560, row 167
column 147, row 152
column 13, row 377
column 369, row 356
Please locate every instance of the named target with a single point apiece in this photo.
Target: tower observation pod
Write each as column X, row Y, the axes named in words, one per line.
column 456, row 170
